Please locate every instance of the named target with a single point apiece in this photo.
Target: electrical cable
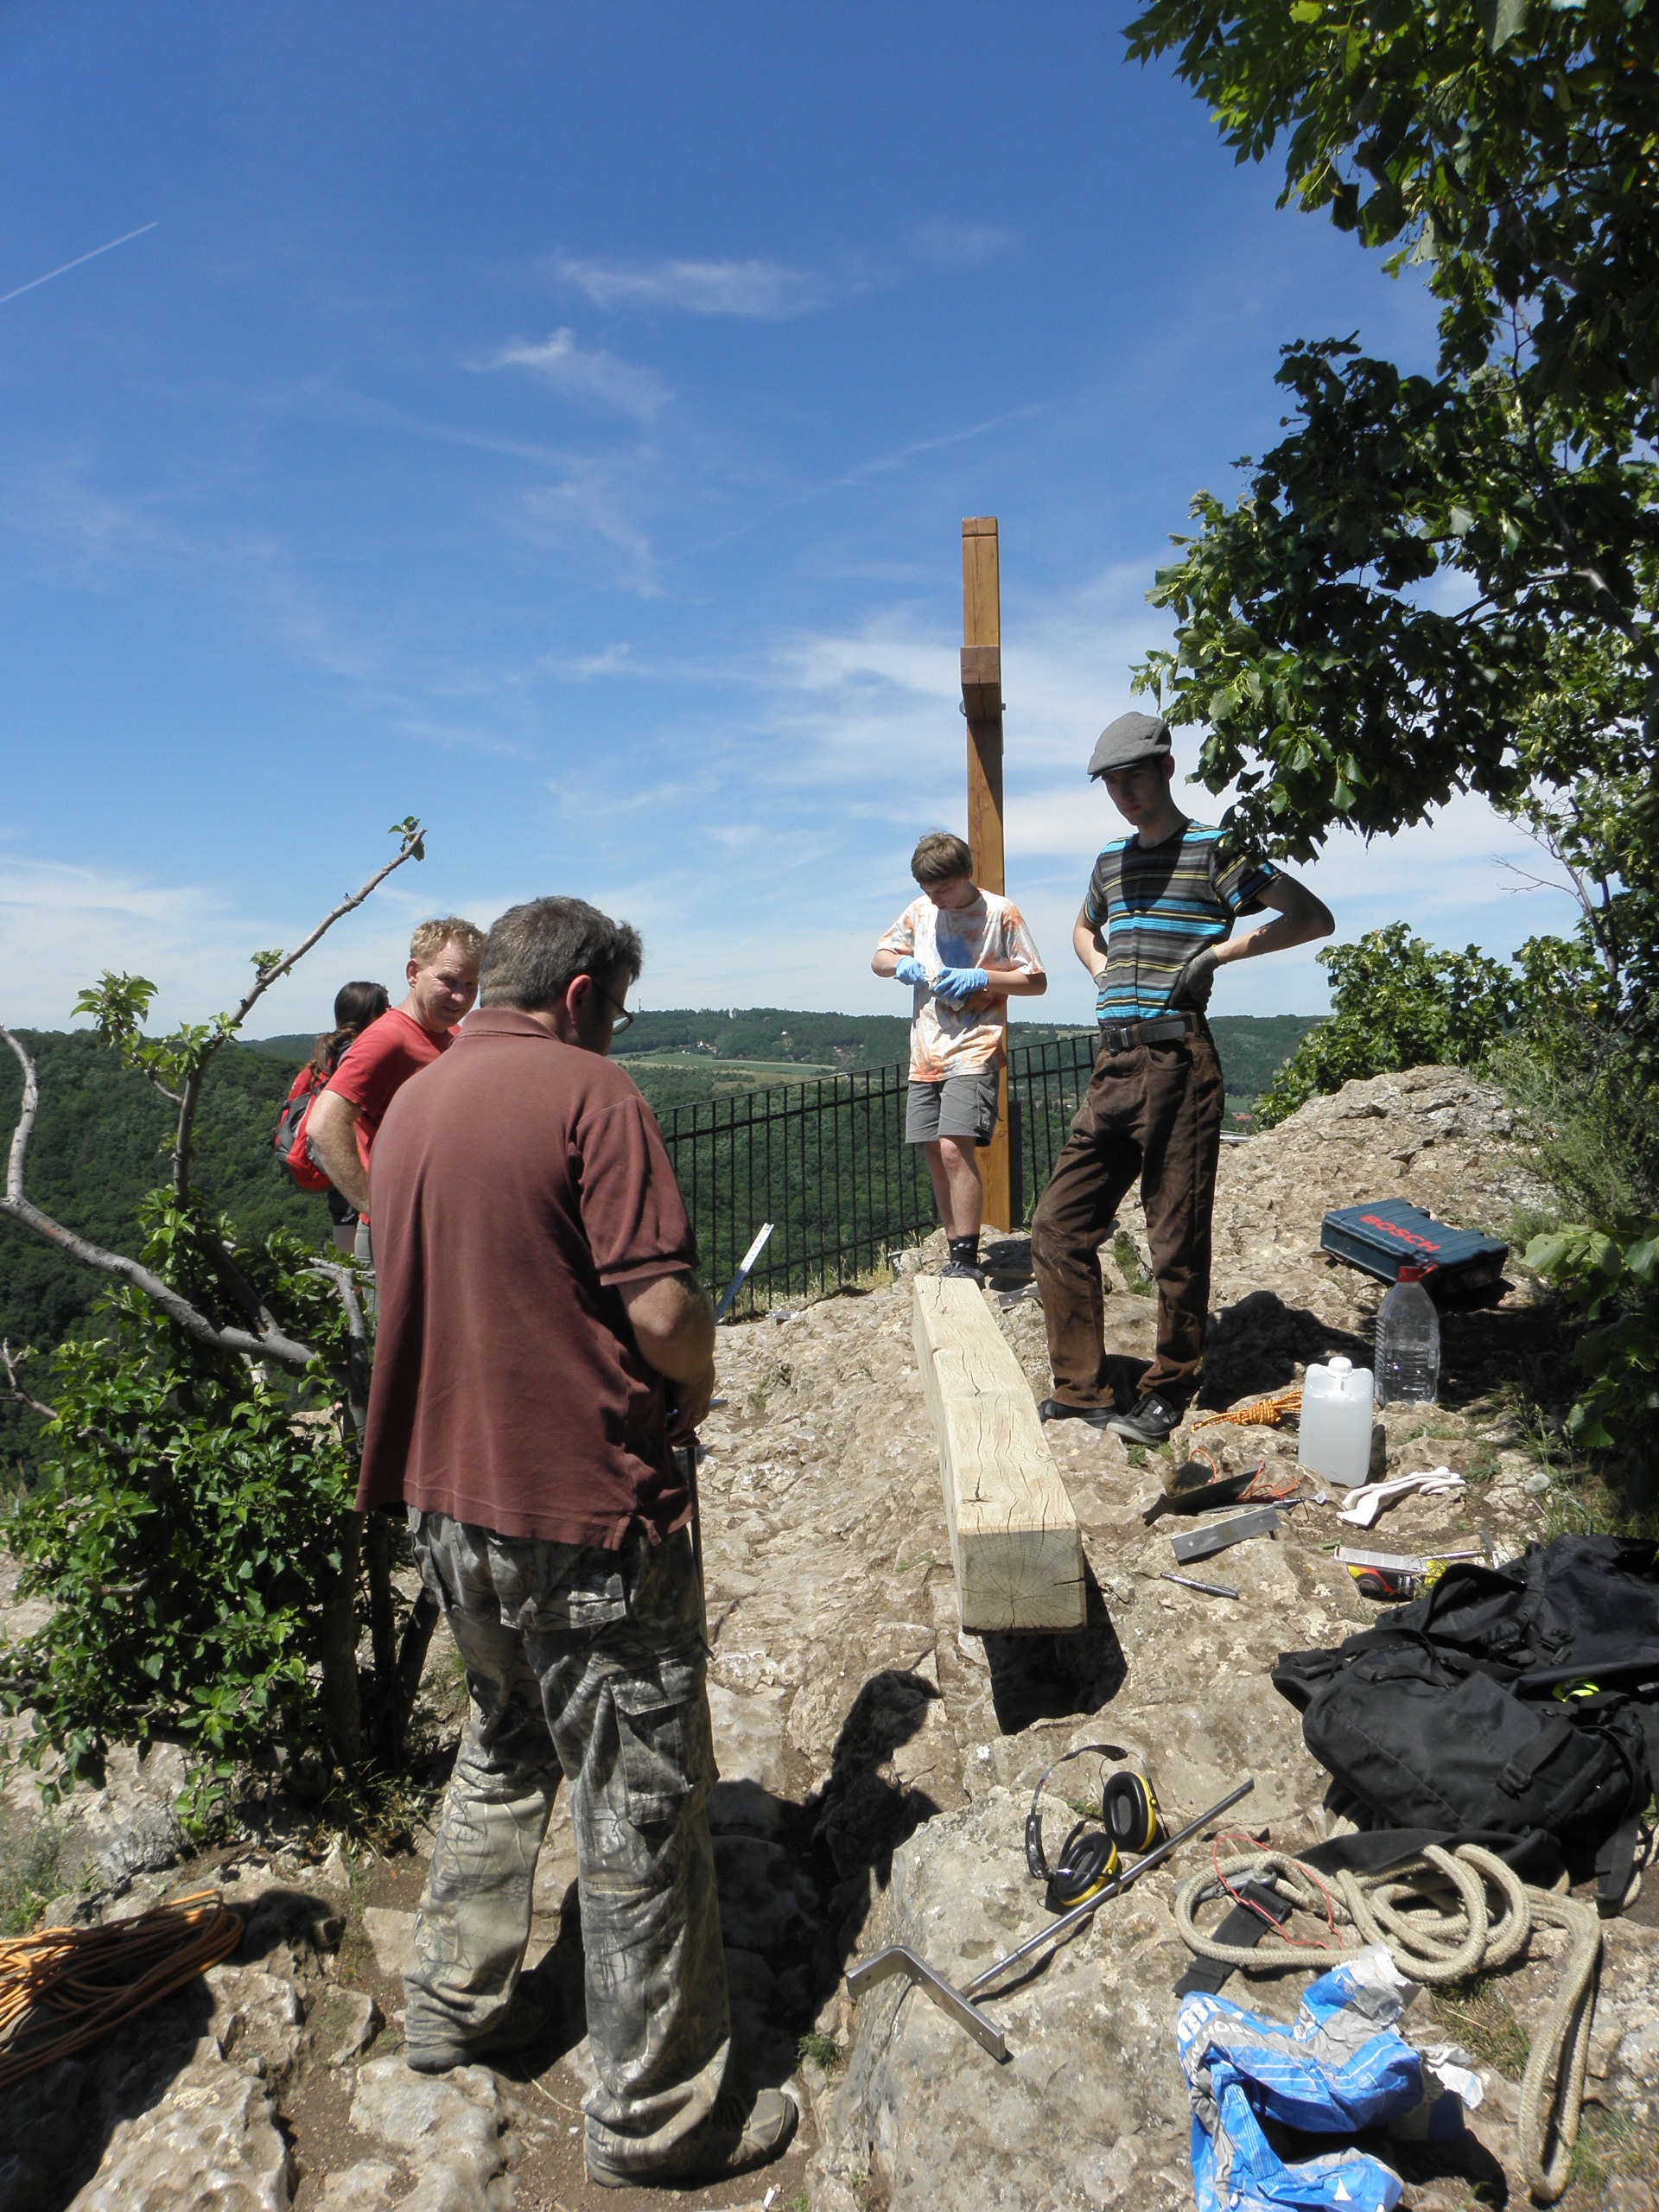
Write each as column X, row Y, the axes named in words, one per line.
column 63, row 1988
column 1261, row 1413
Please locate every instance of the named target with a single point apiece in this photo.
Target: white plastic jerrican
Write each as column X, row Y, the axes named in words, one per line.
column 1336, row 1423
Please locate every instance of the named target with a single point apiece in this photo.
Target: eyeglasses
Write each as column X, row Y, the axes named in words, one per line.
column 624, row 1014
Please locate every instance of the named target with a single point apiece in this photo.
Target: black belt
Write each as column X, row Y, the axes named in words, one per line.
column 1161, row 1029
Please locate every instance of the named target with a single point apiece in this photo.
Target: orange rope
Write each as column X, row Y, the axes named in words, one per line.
column 65, row 1987
column 1261, row 1413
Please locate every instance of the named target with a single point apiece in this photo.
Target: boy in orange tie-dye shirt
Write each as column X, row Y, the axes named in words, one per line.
column 965, row 952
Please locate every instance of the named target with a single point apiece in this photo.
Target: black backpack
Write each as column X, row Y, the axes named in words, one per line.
column 1421, row 1736
column 1582, row 1609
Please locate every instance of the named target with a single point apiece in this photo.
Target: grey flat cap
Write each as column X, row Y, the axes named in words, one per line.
column 1129, row 739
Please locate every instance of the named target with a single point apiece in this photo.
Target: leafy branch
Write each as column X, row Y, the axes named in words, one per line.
column 177, row 1065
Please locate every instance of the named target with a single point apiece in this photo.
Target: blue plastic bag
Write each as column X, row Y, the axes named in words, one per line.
column 1340, row 2067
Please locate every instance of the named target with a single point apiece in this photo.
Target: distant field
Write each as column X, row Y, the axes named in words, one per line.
column 678, row 1056
column 785, row 1071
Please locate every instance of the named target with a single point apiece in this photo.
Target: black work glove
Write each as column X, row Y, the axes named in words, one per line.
column 1195, row 983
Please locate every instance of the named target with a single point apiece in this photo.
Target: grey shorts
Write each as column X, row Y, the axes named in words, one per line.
column 960, row 1106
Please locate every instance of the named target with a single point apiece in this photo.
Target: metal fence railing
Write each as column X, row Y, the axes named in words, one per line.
column 826, row 1162
column 1045, row 1088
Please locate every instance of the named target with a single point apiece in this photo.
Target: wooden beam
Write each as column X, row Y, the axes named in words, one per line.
column 1014, row 1536
column 981, row 702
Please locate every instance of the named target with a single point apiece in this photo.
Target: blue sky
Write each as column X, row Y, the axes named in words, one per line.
column 557, row 423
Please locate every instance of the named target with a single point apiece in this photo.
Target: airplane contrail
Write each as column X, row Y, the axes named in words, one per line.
column 75, row 264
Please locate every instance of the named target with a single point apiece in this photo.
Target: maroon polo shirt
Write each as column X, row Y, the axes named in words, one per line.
column 518, row 1183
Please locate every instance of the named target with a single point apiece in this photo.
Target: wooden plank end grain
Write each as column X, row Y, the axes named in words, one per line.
column 1014, row 1542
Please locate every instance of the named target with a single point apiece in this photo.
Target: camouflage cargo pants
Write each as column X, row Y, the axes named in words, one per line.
column 587, row 1664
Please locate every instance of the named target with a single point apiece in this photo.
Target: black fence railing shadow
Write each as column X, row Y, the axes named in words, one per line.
column 827, row 1164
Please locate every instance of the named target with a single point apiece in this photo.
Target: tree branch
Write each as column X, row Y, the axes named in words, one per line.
column 270, row 1343
column 413, row 848
column 357, row 1334
column 11, row 1361
column 263, row 1339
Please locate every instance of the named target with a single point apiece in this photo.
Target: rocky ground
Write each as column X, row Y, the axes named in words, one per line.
column 877, row 1765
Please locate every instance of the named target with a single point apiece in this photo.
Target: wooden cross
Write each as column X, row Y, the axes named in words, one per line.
column 981, row 702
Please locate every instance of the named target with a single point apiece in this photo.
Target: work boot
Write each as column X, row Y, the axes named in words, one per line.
column 530, row 2011
column 1057, row 1410
column 963, row 1271
column 743, row 2131
column 1151, row 1421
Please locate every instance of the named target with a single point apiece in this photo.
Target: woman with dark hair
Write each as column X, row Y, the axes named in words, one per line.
column 356, row 1005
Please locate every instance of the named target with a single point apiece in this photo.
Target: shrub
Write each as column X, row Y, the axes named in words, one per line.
column 1396, row 1002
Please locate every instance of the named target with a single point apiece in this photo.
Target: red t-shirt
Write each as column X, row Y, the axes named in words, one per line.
column 516, row 1185
column 378, row 1065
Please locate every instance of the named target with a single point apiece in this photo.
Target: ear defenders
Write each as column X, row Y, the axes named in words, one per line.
column 1089, row 1857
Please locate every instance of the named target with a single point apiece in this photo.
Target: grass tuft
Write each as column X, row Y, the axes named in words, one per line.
column 823, row 2051
column 29, row 1875
column 1479, row 2016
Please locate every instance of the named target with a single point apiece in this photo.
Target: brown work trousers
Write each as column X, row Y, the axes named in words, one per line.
column 1153, row 1111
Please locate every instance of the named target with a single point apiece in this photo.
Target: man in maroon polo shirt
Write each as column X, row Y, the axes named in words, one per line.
column 543, row 1343
column 443, row 976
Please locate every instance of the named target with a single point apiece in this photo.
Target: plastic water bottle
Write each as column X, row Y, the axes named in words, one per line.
column 1407, row 1344
column 1335, row 1424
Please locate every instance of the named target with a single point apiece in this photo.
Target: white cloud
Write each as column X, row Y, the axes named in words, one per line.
column 595, row 374
column 62, row 926
column 757, row 291
column 960, row 245
column 593, row 498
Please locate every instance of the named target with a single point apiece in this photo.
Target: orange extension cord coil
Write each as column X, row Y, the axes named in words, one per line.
column 65, row 1987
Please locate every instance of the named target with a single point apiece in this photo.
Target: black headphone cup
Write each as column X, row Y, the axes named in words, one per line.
column 1131, row 1811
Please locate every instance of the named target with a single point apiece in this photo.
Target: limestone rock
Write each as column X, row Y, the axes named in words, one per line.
column 130, row 1827
column 392, row 1935
column 1091, row 2106
column 365, row 2187
column 211, row 2146
column 453, row 2132
column 256, row 2021
column 344, row 2023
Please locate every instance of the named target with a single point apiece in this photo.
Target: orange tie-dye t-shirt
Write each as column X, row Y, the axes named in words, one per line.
column 954, row 1037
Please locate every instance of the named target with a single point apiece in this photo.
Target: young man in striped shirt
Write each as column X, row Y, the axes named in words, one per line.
column 1155, row 925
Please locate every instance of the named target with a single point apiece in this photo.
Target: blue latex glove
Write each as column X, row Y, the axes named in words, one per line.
column 910, row 970
column 960, row 983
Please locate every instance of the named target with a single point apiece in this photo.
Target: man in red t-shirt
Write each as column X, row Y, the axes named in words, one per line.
column 543, row 1343
column 442, row 974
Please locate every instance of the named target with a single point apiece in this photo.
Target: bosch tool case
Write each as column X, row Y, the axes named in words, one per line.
column 1385, row 1235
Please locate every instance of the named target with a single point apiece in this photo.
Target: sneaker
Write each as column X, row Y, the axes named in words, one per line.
column 1057, row 1410
column 962, row 1271
column 528, row 2014
column 741, row 2133
column 1151, row 1421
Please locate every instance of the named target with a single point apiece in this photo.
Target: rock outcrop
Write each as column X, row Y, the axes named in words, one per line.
column 877, row 1766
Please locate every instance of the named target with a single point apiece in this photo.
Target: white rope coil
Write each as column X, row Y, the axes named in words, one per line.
column 1434, row 1917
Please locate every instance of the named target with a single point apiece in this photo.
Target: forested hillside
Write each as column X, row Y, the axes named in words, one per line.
column 103, row 1133
column 773, row 1044
column 100, row 1142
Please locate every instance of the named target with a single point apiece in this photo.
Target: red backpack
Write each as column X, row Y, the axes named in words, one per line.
column 288, row 1138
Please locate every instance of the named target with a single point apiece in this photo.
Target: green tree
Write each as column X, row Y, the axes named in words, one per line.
column 193, row 1522
column 1396, row 1002
column 1447, row 583
column 1511, row 148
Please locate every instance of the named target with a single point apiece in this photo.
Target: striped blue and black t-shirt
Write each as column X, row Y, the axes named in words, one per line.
column 1158, row 904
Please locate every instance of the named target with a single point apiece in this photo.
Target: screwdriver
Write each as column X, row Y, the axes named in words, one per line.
column 1210, row 1589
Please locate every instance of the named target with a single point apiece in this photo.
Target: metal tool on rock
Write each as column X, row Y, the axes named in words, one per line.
column 742, row 1275
column 1210, row 1589
column 1218, row 1535
column 900, row 1959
